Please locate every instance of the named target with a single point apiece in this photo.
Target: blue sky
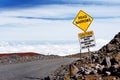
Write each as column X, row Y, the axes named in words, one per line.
column 51, row 20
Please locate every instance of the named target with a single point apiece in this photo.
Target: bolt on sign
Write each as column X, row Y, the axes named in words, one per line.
column 83, row 20
column 86, row 39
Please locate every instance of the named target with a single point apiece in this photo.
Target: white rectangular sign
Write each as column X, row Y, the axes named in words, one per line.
column 87, row 41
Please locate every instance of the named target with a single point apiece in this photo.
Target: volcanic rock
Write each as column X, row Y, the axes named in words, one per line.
column 104, row 66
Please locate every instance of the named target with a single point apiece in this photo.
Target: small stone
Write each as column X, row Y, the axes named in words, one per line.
column 108, row 73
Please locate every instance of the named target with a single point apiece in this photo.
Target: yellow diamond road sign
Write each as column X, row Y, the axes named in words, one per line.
column 83, row 20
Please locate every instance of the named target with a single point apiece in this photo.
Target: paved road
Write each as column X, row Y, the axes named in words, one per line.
column 32, row 70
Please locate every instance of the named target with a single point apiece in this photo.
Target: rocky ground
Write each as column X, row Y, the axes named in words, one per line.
column 103, row 64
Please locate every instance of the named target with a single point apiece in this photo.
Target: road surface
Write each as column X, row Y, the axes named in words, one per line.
column 32, row 70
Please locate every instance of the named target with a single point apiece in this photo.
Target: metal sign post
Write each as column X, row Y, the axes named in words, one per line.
column 86, row 39
column 80, row 49
column 89, row 55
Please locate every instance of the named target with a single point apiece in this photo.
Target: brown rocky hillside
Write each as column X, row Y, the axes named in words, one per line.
column 112, row 46
column 103, row 64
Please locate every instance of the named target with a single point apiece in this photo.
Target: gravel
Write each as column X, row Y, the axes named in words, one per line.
column 32, row 70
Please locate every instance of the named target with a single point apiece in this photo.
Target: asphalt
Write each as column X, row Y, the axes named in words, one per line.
column 32, row 70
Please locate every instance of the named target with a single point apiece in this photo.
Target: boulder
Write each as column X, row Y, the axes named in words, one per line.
column 73, row 70
column 67, row 76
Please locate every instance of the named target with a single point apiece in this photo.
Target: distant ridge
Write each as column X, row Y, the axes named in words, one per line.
column 20, row 54
column 77, row 55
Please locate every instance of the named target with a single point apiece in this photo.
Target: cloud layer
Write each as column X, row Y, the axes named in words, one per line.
column 57, row 48
column 52, row 20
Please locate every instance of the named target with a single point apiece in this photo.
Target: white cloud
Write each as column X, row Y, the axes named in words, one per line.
column 39, row 29
column 66, row 48
column 61, row 11
column 54, row 11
